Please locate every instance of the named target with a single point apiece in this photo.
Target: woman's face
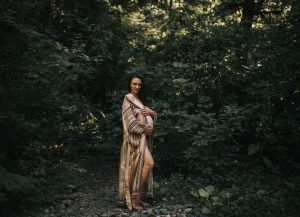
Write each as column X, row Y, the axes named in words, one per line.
column 136, row 85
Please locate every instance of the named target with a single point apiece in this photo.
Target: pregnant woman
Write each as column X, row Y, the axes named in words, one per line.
column 136, row 162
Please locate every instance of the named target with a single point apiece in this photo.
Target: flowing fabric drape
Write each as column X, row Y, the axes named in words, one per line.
column 133, row 151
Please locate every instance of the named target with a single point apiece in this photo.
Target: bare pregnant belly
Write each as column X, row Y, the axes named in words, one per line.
column 148, row 118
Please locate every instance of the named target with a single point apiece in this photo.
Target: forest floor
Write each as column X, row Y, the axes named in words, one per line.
column 97, row 197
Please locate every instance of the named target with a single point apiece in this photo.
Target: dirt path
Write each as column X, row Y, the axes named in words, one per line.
column 95, row 198
column 98, row 198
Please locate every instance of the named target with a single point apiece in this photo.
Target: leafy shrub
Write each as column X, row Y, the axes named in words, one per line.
column 232, row 194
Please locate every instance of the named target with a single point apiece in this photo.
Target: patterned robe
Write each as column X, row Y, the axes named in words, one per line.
column 133, row 151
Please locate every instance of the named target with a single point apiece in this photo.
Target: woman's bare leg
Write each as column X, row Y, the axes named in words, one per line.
column 147, row 168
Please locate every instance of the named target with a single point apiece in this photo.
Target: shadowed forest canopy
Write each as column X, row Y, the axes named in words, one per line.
column 223, row 76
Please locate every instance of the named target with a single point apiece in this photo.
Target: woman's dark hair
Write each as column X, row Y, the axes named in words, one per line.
column 143, row 93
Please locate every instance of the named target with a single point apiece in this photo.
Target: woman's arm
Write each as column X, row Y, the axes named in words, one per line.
column 129, row 119
column 148, row 111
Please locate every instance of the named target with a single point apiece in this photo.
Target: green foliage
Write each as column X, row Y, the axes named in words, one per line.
column 232, row 194
column 16, row 184
column 58, row 178
column 57, row 62
column 245, row 102
column 226, row 94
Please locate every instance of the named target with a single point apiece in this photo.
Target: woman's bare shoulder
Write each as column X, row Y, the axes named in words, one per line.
column 129, row 96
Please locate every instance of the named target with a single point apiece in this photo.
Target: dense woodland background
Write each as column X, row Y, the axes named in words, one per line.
column 223, row 76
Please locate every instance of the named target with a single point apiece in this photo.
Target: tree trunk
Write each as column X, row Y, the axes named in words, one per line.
column 250, row 8
column 248, row 14
column 171, row 5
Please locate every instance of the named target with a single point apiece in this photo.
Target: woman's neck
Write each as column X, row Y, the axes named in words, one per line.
column 135, row 95
column 137, row 99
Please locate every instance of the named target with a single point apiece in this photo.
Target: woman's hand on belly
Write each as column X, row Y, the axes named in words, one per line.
column 148, row 130
column 147, row 111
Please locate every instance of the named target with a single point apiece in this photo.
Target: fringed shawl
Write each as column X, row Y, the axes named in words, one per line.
column 132, row 152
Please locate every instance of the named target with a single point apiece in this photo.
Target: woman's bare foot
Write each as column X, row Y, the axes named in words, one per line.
column 136, row 205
